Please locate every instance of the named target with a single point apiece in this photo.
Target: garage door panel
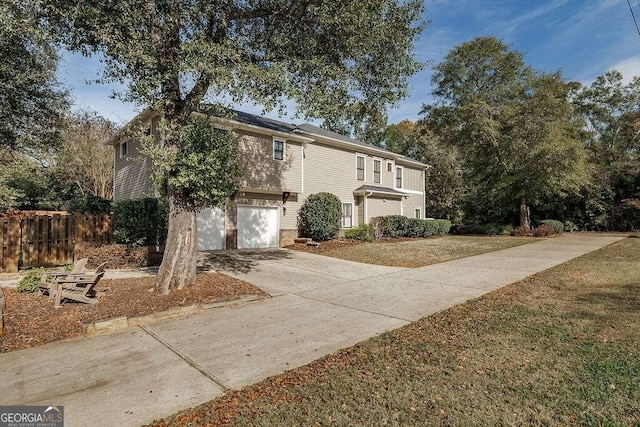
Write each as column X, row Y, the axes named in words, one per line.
column 211, row 229
column 257, row 227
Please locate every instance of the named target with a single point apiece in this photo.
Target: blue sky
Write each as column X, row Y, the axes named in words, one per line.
column 582, row 38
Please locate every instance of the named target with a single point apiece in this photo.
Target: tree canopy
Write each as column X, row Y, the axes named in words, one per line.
column 32, row 101
column 515, row 127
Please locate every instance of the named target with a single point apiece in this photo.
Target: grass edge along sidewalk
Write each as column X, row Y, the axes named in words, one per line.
column 559, row 348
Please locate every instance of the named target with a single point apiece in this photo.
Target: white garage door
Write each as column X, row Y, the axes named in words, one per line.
column 211, row 235
column 257, row 227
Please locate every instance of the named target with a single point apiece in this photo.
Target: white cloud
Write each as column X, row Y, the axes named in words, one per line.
column 629, row 68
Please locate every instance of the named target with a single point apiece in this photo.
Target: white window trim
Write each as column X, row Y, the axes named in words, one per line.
column 123, row 149
column 395, row 176
column 364, row 176
column 353, row 204
column 390, row 162
column 416, row 209
column 284, row 148
column 373, row 170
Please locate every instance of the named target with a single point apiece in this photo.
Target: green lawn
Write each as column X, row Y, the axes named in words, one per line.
column 421, row 252
column 560, row 348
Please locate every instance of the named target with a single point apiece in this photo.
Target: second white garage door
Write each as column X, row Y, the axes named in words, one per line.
column 257, row 227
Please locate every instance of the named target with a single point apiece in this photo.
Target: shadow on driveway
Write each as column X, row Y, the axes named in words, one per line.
column 239, row 261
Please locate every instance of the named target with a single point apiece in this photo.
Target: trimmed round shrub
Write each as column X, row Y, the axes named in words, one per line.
column 363, row 232
column 320, row 217
column 558, row 226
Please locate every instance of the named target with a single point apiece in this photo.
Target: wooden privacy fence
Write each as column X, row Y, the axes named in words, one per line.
column 45, row 241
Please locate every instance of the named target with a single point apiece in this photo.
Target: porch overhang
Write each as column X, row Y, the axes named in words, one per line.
column 373, row 190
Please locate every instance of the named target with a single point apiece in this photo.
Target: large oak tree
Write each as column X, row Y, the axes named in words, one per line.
column 336, row 59
column 516, row 127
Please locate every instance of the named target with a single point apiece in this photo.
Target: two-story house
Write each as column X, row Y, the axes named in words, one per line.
column 284, row 164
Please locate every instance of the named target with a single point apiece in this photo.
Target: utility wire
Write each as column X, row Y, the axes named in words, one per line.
column 634, row 16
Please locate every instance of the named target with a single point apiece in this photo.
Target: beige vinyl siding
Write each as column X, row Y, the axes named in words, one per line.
column 332, row 170
column 262, row 172
column 413, row 179
column 412, row 202
column 359, row 211
column 132, row 172
column 378, row 206
column 387, row 177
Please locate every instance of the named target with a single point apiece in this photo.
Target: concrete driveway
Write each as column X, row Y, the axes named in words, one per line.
column 320, row 306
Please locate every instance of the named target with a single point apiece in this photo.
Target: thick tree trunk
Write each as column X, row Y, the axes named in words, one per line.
column 178, row 268
column 525, row 214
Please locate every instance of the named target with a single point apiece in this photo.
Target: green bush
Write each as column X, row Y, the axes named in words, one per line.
column 415, row 228
column 557, row 226
column 394, row 226
column 400, row 226
column 436, row 227
column 29, row 282
column 320, row 217
column 140, row 222
column 364, row 232
column 89, row 204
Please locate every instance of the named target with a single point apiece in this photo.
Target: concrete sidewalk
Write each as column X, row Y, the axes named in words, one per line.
column 321, row 305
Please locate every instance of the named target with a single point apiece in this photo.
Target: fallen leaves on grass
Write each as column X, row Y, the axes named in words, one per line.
column 31, row 319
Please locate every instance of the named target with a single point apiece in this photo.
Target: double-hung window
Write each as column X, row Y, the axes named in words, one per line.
column 398, row 177
column 278, row 149
column 347, row 215
column 376, row 171
column 418, row 213
column 360, row 168
column 123, row 149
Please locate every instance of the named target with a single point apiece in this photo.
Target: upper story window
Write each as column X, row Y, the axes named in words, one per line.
column 377, row 164
column 278, row 149
column 360, row 168
column 123, row 148
column 389, row 166
column 399, row 171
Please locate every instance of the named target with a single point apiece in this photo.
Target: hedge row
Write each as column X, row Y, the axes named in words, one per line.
column 401, row 226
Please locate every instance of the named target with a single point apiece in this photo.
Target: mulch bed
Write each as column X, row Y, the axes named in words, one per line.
column 31, row 319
